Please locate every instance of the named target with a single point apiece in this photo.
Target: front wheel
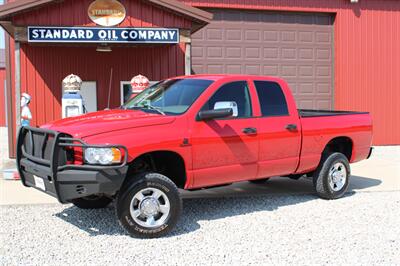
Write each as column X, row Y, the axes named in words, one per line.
column 149, row 205
column 331, row 179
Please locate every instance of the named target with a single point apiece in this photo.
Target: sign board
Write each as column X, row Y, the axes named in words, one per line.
column 102, row 35
column 106, row 12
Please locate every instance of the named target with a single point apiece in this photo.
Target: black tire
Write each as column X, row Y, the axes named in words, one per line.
column 321, row 177
column 92, row 202
column 135, row 185
column 259, row 181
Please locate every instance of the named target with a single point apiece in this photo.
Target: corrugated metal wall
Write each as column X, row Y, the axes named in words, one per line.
column 367, row 54
column 2, row 97
column 74, row 12
column 44, row 67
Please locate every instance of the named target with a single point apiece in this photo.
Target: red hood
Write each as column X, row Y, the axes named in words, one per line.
column 107, row 121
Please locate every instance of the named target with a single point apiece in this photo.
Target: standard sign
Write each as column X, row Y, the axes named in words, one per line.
column 106, row 12
column 102, row 35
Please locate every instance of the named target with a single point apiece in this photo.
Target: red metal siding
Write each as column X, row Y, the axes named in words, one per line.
column 2, row 97
column 44, row 67
column 70, row 13
column 367, row 54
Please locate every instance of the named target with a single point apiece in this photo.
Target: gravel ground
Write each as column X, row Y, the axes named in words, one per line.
column 362, row 229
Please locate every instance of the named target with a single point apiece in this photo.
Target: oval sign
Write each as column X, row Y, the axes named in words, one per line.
column 106, row 12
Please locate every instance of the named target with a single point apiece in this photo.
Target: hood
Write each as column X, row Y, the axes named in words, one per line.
column 107, row 121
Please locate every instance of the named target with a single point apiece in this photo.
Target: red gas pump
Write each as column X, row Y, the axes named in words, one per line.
column 139, row 83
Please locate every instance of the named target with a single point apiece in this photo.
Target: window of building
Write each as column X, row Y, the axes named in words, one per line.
column 237, row 92
column 271, row 97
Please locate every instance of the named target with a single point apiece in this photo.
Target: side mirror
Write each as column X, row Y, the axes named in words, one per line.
column 216, row 113
column 226, row 104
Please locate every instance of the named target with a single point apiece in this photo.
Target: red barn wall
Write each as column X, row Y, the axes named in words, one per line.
column 367, row 54
column 74, row 13
column 43, row 67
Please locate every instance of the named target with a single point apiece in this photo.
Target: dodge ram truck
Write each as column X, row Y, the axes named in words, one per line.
column 190, row 132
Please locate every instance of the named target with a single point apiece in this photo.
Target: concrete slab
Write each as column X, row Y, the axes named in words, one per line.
column 380, row 173
column 5, row 162
column 13, row 192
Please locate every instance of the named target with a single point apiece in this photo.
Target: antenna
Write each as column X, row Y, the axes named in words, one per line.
column 109, row 89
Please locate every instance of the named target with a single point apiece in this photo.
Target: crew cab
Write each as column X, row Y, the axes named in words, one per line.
column 190, row 132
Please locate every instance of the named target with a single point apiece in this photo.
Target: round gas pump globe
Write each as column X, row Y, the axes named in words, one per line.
column 139, row 83
column 72, row 83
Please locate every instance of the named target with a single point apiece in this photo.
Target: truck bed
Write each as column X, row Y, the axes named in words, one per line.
column 315, row 113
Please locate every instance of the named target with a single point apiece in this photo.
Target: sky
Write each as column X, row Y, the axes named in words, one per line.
column 1, row 32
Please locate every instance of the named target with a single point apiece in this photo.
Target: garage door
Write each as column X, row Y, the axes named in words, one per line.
column 297, row 47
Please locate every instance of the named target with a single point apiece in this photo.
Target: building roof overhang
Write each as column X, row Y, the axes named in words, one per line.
column 199, row 17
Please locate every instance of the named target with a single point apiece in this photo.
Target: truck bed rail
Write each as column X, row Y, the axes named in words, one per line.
column 314, row 113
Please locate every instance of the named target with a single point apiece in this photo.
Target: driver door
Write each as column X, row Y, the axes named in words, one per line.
column 225, row 150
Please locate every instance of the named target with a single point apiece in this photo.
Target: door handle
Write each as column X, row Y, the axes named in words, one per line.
column 249, row 130
column 291, row 127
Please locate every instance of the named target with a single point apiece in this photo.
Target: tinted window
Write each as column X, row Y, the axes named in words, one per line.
column 172, row 96
column 233, row 92
column 272, row 99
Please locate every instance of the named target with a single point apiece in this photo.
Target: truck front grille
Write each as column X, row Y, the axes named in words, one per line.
column 39, row 145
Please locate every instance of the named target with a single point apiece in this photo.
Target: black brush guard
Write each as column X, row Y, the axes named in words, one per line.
column 44, row 153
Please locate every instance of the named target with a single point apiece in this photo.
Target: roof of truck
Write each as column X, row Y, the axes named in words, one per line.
column 223, row 76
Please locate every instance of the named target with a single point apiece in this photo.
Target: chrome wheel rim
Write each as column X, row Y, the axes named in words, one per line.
column 337, row 176
column 150, row 207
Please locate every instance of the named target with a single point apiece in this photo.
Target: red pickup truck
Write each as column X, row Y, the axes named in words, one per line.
column 190, row 132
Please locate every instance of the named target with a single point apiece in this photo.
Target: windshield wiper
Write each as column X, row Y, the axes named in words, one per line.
column 150, row 107
column 155, row 108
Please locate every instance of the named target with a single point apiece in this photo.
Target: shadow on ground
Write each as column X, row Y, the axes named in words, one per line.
column 212, row 204
column 359, row 182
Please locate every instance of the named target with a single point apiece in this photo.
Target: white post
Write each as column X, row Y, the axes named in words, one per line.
column 17, row 54
column 188, row 58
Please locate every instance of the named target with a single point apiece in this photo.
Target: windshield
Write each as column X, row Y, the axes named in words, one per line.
column 169, row 97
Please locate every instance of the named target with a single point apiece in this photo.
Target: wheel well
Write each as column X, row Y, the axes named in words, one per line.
column 167, row 163
column 340, row 144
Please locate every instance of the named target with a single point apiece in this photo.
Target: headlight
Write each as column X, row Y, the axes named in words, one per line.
column 102, row 156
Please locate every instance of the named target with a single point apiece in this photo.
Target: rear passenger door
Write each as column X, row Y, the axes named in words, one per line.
column 279, row 131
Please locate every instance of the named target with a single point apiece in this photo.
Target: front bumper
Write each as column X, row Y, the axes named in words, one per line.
column 41, row 162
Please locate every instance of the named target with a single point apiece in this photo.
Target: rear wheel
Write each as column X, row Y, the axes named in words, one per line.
column 331, row 179
column 92, row 202
column 149, row 205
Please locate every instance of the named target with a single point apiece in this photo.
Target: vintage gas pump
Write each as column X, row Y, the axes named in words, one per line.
column 72, row 101
column 139, row 83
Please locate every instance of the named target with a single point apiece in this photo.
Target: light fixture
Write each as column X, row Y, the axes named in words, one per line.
column 103, row 47
column 354, row 1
